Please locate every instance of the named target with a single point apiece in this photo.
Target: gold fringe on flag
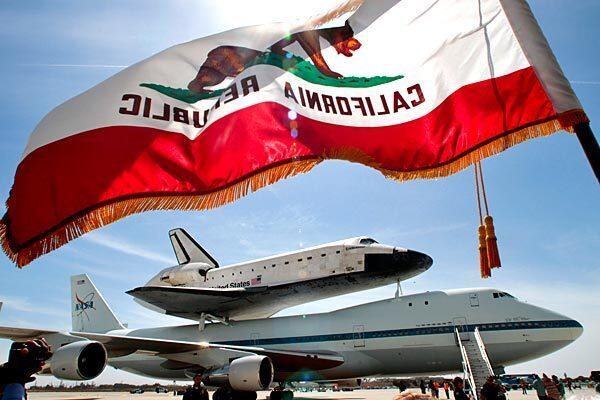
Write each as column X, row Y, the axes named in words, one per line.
column 109, row 213
column 564, row 121
column 88, row 220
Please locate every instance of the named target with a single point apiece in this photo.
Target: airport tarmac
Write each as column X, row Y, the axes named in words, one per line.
column 376, row 394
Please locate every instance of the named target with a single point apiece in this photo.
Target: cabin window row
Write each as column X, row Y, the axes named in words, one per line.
column 426, row 302
column 274, row 265
column 535, row 324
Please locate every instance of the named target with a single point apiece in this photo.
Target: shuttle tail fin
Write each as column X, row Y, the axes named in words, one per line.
column 89, row 310
column 188, row 250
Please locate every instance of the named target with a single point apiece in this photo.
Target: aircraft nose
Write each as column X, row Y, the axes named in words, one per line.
column 576, row 329
column 399, row 260
column 403, row 257
column 570, row 330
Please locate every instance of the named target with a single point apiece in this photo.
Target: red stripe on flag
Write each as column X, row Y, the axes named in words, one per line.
column 64, row 179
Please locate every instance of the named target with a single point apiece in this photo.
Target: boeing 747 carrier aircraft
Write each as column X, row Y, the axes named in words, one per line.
column 406, row 335
column 198, row 288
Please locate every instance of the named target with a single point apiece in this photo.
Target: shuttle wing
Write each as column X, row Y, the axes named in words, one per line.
column 192, row 302
column 235, row 303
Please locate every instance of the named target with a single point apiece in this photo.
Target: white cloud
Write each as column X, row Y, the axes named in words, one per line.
column 74, row 65
column 586, row 82
column 393, row 234
column 126, row 247
column 22, row 304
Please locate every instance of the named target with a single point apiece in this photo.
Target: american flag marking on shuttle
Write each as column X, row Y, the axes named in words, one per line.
column 256, row 281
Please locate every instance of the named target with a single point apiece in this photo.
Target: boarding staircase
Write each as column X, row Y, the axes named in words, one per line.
column 476, row 364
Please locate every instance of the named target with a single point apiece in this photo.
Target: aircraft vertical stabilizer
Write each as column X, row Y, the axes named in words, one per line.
column 89, row 310
column 188, row 250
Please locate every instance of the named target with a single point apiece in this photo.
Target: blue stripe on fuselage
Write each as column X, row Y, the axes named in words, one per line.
column 431, row 330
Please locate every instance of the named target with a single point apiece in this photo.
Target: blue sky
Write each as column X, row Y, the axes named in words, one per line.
column 543, row 195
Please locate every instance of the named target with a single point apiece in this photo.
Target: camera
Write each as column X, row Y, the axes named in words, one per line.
column 28, row 352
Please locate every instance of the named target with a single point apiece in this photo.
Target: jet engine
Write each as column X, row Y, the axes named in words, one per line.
column 77, row 361
column 184, row 274
column 250, row 373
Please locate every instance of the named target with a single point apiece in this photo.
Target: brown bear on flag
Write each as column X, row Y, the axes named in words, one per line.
column 229, row 61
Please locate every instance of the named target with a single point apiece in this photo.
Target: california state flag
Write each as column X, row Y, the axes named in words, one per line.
column 413, row 88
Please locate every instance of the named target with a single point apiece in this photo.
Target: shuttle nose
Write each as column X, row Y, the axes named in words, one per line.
column 404, row 257
column 400, row 260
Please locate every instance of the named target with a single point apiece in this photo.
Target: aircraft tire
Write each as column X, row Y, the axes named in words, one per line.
column 281, row 395
column 238, row 395
column 221, row 394
column 276, row 395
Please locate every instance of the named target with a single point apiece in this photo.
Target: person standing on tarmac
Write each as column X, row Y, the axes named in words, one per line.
column 551, row 388
column 423, row 387
column 559, row 385
column 197, row 391
column 401, row 386
column 492, row 390
column 539, row 387
column 459, row 389
column 524, row 386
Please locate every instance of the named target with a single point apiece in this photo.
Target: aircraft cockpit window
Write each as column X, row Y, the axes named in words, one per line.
column 507, row 295
column 367, row 241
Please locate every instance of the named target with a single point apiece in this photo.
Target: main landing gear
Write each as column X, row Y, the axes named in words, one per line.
column 226, row 393
column 279, row 394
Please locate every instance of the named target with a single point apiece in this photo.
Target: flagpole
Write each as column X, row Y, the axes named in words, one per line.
column 590, row 146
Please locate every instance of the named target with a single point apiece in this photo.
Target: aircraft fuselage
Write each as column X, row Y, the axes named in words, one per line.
column 409, row 335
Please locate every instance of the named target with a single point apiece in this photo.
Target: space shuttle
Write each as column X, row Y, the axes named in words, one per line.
column 198, row 288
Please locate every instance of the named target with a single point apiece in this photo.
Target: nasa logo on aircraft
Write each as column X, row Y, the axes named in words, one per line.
column 82, row 306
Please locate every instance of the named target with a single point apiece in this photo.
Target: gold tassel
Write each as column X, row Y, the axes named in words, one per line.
column 484, row 265
column 491, row 243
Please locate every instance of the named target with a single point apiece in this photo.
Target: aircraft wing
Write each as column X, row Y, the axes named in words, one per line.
column 7, row 332
column 208, row 355
column 190, row 303
column 183, row 354
column 118, row 343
